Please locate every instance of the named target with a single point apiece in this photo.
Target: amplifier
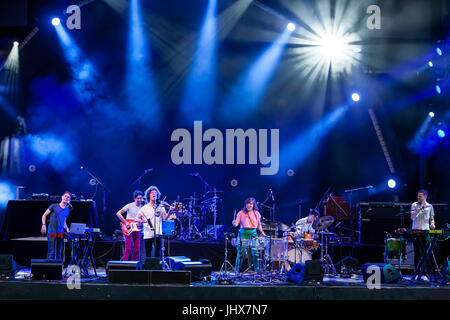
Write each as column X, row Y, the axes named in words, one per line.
column 377, row 218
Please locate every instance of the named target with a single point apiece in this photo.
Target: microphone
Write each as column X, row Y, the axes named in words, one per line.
column 195, row 174
column 148, row 170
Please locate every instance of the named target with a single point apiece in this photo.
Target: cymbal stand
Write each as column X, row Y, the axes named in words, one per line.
column 325, row 258
column 224, row 269
column 192, row 228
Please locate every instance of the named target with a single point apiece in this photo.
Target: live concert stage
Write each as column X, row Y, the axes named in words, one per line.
column 195, row 151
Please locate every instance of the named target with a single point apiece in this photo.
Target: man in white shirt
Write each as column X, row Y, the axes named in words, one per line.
column 152, row 216
column 422, row 213
column 304, row 225
column 134, row 239
column 422, row 216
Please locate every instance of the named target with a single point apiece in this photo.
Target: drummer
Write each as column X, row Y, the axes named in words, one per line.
column 305, row 225
column 249, row 220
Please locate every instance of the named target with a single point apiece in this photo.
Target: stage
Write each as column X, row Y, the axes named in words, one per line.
column 246, row 287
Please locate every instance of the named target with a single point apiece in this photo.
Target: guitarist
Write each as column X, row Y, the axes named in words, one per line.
column 152, row 215
column 132, row 210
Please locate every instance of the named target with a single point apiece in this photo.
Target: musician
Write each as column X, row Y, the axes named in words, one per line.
column 249, row 220
column 57, row 213
column 304, row 225
column 152, row 215
column 422, row 216
column 134, row 239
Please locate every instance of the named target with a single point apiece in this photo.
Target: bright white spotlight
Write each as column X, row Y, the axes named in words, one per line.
column 15, row 43
column 392, row 183
column 438, row 89
column 441, row 133
column 431, row 114
column 290, row 26
column 439, row 51
column 355, row 97
column 430, row 63
column 56, row 21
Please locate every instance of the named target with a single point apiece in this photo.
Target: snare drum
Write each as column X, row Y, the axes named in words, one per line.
column 276, row 249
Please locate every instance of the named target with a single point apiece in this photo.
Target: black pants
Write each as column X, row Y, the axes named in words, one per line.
column 149, row 245
column 421, row 243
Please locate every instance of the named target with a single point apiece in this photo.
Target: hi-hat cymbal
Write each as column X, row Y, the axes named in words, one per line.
column 323, row 223
column 214, row 191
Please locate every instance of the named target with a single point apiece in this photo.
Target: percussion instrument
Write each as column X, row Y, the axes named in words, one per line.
column 393, row 248
column 290, row 237
column 323, row 223
column 296, row 255
column 276, row 249
column 257, row 243
column 308, row 241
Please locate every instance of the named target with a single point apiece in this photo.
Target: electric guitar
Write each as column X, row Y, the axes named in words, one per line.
column 134, row 227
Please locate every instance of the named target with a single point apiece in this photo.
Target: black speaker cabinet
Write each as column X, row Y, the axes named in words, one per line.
column 149, row 277
column 152, row 264
column 46, row 269
column 7, row 265
column 313, row 271
column 123, row 265
column 198, row 269
column 170, row 277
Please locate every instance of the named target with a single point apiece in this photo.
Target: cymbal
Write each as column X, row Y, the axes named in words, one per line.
column 323, row 223
column 326, row 233
column 281, row 226
column 214, row 191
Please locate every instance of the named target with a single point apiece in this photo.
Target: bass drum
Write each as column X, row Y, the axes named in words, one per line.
column 297, row 255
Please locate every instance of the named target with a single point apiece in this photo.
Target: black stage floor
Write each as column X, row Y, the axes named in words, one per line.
column 245, row 287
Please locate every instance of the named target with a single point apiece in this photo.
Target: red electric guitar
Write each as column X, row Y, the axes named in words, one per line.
column 134, row 227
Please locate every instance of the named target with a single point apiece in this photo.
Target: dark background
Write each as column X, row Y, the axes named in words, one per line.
column 116, row 147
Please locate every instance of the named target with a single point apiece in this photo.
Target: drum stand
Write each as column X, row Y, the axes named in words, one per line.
column 326, row 259
column 223, row 273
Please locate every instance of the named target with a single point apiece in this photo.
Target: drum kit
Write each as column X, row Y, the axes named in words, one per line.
column 280, row 254
column 192, row 214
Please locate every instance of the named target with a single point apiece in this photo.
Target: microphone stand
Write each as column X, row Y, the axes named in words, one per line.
column 138, row 180
column 350, row 206
column 105, row 189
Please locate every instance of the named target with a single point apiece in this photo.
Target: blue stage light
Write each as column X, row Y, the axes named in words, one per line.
column 431, row 114
column 438, row 89
column 290, row 26
column 430, row 63
column 439, row 51
column 441, row 133
column 355, row 97
column 392, row 183
column 56, row 21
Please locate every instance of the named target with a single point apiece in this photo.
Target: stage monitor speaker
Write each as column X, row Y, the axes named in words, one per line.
column 152, row 264
column 171, row 261
column 198, row 269
column 388, row 272
column 313, row 271
column 296, row 273
column 129, row 276
column 123, row 265
column 42, row 269
column 7, row 265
